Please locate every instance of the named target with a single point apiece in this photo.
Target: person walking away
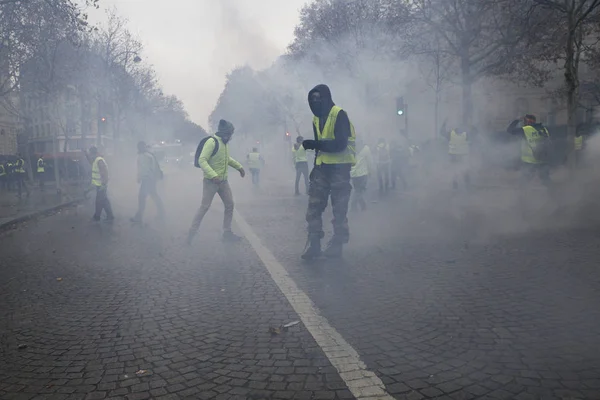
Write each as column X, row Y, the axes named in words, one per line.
column 397, row 161
column 360, row 176
column 334, row 143
column 534, row 149
column 3, row 177
column 301, row 164
column 255, row 163
column 383, row 165
column 148, row 175
column 214, row 166
column 20, row 176
column 41, row 172
column 459, row 147
column 100, row 182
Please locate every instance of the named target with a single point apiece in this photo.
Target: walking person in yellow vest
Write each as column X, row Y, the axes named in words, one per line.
column 100, row 182
column 41, row 172
column 301, row 164
column 535, row 141
column 255, row 162
column 360, row 175
column 334, row 143
column 20, row 175
column 578, row 143
column 214, row 160
column 459, row 148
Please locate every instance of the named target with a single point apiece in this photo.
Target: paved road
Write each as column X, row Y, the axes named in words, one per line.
column 442, row 297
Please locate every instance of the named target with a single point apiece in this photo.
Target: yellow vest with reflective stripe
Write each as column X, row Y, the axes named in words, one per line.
column 532, row 137
column 459, row 144
column 20, row 166
column 578, row 142
column 346, row 156
column 300, row 154
column 96, row 177
column 40, row 166
column 254, row 160
column 2, row 170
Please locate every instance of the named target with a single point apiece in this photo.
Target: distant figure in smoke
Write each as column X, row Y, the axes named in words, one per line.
column 100, row 182
column 255, row 162
column 20, row 175
column 215, row 181
column 534, row 149
column 398, row 161
column 148, row 174
column 360, row 175
column 301, row 164
column 382, row 154
column 334, row 143
column 459, row 148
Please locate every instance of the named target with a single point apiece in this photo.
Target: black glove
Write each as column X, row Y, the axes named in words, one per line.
column 309, row 144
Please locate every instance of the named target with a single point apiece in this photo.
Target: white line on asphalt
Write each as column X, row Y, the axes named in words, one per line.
column 363, row 384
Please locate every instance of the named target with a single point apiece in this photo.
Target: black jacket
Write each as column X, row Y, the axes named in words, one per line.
column 342, row 123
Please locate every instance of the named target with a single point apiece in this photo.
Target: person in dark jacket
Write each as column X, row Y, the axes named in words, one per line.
column 334, row 143
column 148, row 175
column 532, row 135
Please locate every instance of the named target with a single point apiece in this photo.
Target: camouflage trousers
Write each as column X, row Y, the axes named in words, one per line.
column 325, row 181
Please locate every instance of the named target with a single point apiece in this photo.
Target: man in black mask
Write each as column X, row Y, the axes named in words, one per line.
column 334, row 144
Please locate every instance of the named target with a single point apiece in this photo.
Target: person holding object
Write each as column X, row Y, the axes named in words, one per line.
column 214, row 160
column 334, row 143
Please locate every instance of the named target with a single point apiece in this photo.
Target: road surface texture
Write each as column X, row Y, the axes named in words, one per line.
column 446, row 296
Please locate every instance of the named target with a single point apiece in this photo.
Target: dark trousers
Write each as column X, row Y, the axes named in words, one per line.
column 102, row 203
column 529, row 171
column 397, row 173
column 301, row 169
column 329, row 180
column 359, row 184
column 255, row 175
column 148, row 188
column 383, row 176
column 21, row 184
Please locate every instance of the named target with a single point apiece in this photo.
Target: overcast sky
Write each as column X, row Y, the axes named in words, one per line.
column 194, row 43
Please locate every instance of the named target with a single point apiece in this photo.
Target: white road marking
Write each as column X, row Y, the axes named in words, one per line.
column 363, row 384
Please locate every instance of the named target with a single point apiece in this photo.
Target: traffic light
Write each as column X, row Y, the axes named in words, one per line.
column 400, row 106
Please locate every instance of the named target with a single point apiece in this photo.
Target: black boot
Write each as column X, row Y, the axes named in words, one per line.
column 313, row 249
column 334, row 249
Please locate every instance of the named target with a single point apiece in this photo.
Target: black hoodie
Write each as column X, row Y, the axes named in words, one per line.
column 342, row 123
column 515, row 130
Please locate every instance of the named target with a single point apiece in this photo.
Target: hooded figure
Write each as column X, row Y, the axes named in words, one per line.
column 215, row 168
column 534, row 139
column 334, row 142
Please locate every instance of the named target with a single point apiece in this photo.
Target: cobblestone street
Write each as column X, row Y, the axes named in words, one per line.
column 94, row 311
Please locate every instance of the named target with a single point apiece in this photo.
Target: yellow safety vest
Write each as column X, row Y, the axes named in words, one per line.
column 363, row 163
column 254, row 160
column 20, row 166
column 532, row 138
column 40, row 166
column 2, row 170
column 578, row 142
column 459, row 144
column 96, row 177
column 300, row 154
column 348, row 156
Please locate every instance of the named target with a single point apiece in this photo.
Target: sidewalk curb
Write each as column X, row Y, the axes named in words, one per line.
column 35, row 214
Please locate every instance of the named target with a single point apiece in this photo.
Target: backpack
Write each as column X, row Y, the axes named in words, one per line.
column 542, row 149
column 201, row 146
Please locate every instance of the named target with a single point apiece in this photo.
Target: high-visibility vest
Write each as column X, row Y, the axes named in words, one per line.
column 459, row 143
column 96, row 177
column 346, row 156
column 40, row 166
column 254, row 160
column 531, row 139
column 2, row 170
column 299, row 154
column 578, row 142
column 20, row 166
column 363, row 163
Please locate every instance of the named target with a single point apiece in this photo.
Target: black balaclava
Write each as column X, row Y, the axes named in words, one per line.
column 321, row 109
column 225, row 130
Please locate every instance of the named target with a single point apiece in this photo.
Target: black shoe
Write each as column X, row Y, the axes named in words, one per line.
column 95, row 219
column 313, row 249
column 334, row 249
column 229, row 236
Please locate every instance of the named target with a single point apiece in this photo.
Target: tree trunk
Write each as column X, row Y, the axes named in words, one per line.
column 467, row 94
column 572, row 88
column 436, row 112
